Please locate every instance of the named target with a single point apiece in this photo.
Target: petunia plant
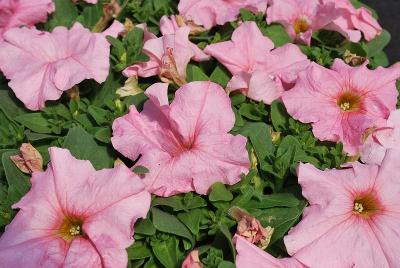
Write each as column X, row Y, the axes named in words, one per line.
column 197, row 133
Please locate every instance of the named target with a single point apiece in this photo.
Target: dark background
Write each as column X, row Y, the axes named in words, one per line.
column 389, row 17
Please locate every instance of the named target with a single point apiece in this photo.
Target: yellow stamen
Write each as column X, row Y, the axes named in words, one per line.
column 301, row 25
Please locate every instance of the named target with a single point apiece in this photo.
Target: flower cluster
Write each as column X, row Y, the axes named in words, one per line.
column 190, row 135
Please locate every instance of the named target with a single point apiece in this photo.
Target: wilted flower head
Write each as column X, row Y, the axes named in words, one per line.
column 192, row 260
column 75, row 216
column 250, row 228
column 169, row 56
column 29, row 160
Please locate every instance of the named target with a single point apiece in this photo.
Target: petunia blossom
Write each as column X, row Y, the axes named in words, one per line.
column 379, row 139
column 249, row 255
column 353, row 217
column 185, row 144
column 209, row 13
column 16, row 13
column 302, row 18
column 75, row 216
column 51, row 63
column 343, row 102
column 169, row 56
column 351, row 22
column 172, row 24
column 259, row 71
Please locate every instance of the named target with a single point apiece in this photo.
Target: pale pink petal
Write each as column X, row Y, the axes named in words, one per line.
column 246, row 51
column 249, row 255
column 115, row 29
column 195, row 106
column 43, row 252
column 15, row 13
column 264, row 87
column 82, row 253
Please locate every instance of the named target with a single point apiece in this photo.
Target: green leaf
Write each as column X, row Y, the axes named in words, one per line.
column 18, row 182
column 277, row 34
column 9, row 104
column 101, row 116
column 260, row 137
column 174, row 202
column 64, row 15
column 103, row 135
column 83, row 146
column 36, row 122
column 145, row 227
column 279, row 116
column 140, row 170
column 376, row 45
column 166, row 252
column 219, row 193
column 194, row 73
column 168, row 223
column 139, row 250
column 273, row 200
column 220, row 76
column 192, row 220
column 226, row 264
column 90, row 15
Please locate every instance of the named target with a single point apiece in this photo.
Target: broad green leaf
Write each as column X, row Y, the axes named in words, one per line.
column 194, row 73
column 192, row 220
column 64, row 15
column 36, row 122
column 168, row 223
column 260, row 137
column 274, row 200
column 220, row 76
column 83, row 146
column 376, row 45
column 139, row 250
column 144, row 227
column 277, row 34
column 166, row 252
column 219, row 193
column 18, row 182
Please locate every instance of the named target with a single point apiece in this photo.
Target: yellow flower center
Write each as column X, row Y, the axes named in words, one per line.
column 349, row 101
column 70, row 228
column 366, row 205
column 301, row 25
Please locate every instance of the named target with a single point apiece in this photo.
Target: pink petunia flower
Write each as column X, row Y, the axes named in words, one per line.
column 172, row 24
column 16, row 13
column 259, row 72
column 192, row 260
column 343, row 102
column 51, row 63
column 75, row 216
column 185, row 144
column 352, row 22
column 353, row 217
column 302, row 18
column 249, row 255
column 169, row 56
column 380, row 139
column 217, row 12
